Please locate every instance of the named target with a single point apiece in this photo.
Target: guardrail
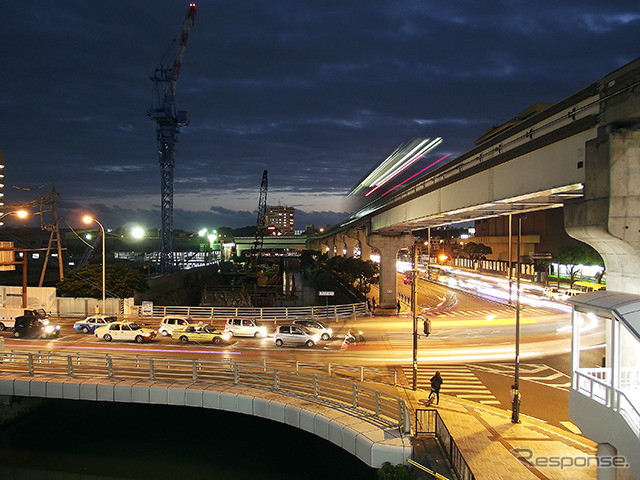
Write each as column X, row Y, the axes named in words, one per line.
column 429, row 422
column 386, row 408
column 352, row 310
column 594, row 383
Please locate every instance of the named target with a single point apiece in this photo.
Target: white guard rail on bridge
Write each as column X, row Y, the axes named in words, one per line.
column 353, row 310
column 385, row 408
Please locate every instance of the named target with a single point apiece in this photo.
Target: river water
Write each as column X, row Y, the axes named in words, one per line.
column 84, row 440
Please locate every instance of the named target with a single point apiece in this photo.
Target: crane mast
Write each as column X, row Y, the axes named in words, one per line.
column 169, row 120
column 262, row 215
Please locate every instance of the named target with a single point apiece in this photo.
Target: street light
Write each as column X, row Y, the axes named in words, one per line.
column 11, row 250
column 88, row 219
column 17, row 213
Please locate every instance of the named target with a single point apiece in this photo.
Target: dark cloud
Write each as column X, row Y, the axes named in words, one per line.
column 314, row 92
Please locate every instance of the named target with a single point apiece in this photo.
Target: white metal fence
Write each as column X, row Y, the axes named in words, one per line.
column 386, row 408
column 352, row 310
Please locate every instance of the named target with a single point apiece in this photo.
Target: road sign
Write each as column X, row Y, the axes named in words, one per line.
column 541, row 256
column 326, row 293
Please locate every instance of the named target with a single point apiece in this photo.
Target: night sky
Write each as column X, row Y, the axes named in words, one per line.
column 316, row 93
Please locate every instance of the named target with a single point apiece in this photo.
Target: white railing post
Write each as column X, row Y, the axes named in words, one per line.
column 194, row 372
column 152, row 371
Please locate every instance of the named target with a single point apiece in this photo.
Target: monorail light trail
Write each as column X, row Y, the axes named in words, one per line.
column 399, row 160
column 416, row 174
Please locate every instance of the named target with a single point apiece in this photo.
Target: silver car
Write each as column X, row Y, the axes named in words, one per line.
column 316, row 326
column 295, row 335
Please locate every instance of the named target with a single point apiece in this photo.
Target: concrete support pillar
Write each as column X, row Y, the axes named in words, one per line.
column 331, row 243
column 608, row 216
column 350, row 244
column 389, row 246
column 609, row 472
column 365, row 249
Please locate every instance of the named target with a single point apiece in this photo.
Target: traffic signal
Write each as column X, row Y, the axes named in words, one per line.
column 426, row 327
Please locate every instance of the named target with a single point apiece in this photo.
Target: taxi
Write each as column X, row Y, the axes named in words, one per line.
column 124, row 330
column 201, row 334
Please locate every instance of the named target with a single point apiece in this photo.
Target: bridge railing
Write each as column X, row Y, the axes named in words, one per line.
column 386, row 408
column 429, row 422
column 352, row 310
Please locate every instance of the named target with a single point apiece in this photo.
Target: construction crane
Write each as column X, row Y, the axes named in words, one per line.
column 262, row 214
column 169, row 120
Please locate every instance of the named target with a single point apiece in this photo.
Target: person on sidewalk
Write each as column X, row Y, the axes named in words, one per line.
column 399, row 306
column 436, row 383
column 373, row 304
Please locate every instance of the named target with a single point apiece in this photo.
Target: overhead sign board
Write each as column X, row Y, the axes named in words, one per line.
column 326, row 293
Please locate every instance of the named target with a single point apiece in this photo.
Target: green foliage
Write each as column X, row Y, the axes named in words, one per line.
column 390, row 472
column 352, row 270
column 121, row 281
column 476, row 251
column 576, row 254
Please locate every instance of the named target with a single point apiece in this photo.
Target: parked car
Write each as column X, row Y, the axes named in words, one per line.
column 245, row 327
column 171, row 323
column 316, row 326
column 201, row 333
column 31, row 326
column 125, row 330
column 89, row 324
column 296, row 335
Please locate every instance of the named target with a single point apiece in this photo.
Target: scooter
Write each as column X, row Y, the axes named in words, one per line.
column 350, row 338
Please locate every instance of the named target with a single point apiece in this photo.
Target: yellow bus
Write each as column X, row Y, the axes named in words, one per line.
column 588, row 286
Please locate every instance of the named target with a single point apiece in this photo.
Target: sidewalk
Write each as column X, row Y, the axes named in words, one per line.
column 489, row 442
column 495, row 448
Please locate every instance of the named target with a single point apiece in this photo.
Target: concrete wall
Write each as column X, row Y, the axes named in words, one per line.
column 365, row 438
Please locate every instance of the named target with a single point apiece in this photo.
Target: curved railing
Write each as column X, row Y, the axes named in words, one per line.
column 385, row 408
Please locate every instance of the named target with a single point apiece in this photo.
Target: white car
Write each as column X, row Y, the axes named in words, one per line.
column 171, row 323
column 125, row 330
column 245, row 327
column 90, row 324
column 295, row 335
column 316, row 326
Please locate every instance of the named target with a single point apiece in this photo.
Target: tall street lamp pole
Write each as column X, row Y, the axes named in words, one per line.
column 88, row 219
column 515, row 406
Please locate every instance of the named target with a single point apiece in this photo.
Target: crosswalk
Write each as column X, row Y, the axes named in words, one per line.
column 532, row 372
column 499, row 312
column 459, row 381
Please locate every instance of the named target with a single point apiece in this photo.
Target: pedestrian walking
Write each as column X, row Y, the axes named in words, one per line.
column 368, row 304
column 436, row 383
column 398, row 306
column 373, row 304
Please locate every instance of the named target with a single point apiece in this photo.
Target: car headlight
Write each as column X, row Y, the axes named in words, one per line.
column 226, row 337
column 49, row 329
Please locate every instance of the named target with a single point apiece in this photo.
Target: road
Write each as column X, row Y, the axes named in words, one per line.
column 472, row 344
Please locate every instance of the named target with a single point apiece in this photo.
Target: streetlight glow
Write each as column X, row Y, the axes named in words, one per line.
column 137, row 232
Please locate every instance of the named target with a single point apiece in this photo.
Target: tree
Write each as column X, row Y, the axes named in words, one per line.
column 575, row 255
column 120, row 281
column 476, row 251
